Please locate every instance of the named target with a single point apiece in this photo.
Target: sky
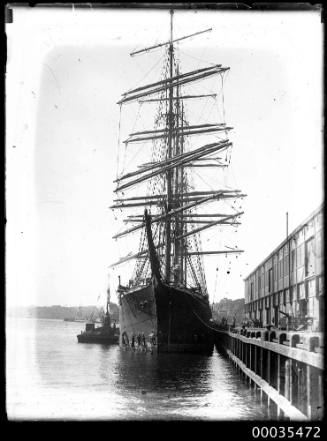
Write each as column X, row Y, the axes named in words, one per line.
column 66, row 70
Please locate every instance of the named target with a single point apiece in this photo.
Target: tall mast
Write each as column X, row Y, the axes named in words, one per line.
column 177, row 224
column 170, row 144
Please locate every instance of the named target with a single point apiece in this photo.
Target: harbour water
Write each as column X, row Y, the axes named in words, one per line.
column 50, row 376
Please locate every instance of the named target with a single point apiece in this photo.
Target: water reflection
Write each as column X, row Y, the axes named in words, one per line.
column 60, row 378
column 183, row 386
column 178, row 373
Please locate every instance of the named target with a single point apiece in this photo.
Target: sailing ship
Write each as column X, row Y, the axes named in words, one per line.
column 165, row 305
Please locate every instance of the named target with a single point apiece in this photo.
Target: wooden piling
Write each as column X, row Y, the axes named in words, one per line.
column 308, row 391
column 288, row 377
column 274, row 398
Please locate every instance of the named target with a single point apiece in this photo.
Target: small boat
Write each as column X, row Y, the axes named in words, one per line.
column 108, row 333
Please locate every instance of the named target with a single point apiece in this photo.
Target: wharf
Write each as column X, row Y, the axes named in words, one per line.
column 285, row 367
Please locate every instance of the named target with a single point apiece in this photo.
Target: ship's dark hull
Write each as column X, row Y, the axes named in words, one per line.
column 165, row 319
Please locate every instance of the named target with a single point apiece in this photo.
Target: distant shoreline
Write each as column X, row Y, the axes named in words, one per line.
column 225, row 308
column 58, row 312
column 36, row 318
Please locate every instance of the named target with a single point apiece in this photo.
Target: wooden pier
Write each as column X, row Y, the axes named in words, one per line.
column 285, row 368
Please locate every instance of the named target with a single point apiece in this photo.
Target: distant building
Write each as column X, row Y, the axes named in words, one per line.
column 230, row 310
column 286, row 289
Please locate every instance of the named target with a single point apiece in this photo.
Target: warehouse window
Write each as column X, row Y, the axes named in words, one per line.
column 280, row 264
column 318, row 244
column 300, row 256
column 301, row 292
column 286, row 264
column 275, row 268
column 293, row 255
column 270, row 280
column 309, row 257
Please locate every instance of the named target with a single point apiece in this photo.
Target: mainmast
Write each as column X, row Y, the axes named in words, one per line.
column 170, row 145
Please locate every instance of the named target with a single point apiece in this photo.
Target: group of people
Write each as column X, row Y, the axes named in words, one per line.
column 139, row 340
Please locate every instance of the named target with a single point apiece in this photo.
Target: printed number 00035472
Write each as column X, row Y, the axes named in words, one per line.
column 286, row 432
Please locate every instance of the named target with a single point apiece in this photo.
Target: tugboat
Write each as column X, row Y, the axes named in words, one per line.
column 105, row 334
